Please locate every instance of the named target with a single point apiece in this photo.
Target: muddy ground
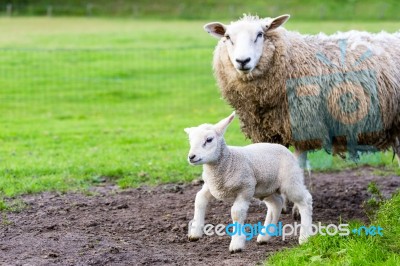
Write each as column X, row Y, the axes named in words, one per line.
column 148, row 225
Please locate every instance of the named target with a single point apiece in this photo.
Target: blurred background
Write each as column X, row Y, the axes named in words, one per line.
column 223, row 9
column 98, row 91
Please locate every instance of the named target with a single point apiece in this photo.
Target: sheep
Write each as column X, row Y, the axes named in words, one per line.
column 339, row 92
column 263, row 170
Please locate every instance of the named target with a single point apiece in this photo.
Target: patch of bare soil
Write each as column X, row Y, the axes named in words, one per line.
column 148, row 225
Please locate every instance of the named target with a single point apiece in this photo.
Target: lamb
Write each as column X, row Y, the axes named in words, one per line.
column 263, row 170
column 339, row 92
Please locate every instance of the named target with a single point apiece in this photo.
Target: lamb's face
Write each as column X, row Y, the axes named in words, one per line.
column 206, row 141
column 244, row 39
column 203, row 144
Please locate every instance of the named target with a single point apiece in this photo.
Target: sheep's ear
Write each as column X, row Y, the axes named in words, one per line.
column 187, row 130
column 274, row 23
column 216, row 29
column 222, row 125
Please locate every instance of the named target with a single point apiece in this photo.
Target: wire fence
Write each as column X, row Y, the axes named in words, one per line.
column 100, row 78
column 328, row 10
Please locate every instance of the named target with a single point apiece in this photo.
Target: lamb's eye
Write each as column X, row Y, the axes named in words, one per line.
column 208, row 140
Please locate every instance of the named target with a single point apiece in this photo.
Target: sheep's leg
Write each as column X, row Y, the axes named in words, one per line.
column 239, row 213
column 274, row 204
column 396, row 149
column 305, row 209
column 196, row 225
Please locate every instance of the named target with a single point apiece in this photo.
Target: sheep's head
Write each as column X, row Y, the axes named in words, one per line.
column 206, row 141
column 244, row 39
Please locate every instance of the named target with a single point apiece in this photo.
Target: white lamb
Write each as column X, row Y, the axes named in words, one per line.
column 263, row 170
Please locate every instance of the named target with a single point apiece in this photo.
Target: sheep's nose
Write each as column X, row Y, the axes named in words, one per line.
column 243, row 62
column 191, row 157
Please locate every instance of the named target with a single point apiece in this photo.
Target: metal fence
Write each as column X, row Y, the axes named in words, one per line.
column 326, row 10
column 101, row 76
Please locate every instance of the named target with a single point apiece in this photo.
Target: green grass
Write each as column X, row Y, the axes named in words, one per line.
column 83, row 100
column 352, row 249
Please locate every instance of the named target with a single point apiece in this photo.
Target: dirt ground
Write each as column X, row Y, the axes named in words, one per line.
column 148, row 225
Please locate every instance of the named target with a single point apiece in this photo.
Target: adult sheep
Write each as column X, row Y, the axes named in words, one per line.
column 338, row 92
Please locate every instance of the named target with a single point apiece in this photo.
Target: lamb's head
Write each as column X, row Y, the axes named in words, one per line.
column 206, row 141
column 244, row 39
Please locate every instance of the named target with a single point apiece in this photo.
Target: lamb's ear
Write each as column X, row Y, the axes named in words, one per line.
column 274, row 23
column 216, row 29
column 222, row 125
column 188, row 130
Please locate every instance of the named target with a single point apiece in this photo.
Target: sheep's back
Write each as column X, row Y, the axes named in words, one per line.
column 272, row 108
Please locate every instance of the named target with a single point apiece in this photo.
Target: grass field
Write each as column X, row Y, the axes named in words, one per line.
column 89, row 100
column 351, row 250
column 84, row 100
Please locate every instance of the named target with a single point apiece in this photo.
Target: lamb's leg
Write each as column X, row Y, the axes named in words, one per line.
column 305, row 209
column 196, row 225
column 239, row 213
column 274, row 204
column 304, row 163
column 295, row 213
column 284, row 204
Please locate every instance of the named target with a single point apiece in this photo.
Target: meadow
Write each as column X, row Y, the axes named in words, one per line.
column 87, row 100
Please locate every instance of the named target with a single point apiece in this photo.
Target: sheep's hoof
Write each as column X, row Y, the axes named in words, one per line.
column 193, row 238
column 262, row 242
column 236, row 251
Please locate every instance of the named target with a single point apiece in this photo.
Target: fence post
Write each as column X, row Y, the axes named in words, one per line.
column 322, row 12
column 181, row 9
column 9, row 10
column 232, row 11
column 49, row 11
column 135, row 11
column 382, row 10
column 89, row 9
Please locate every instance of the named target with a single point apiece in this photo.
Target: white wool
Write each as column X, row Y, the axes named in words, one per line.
column 265, row 171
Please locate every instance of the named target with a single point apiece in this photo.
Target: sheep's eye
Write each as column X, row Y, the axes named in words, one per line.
column 259, row 35
column 227, row 37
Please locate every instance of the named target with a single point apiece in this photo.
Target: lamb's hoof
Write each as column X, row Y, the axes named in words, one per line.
column 263, row 239
column 237, row 243
column 303, row 240
column 236, row 251
column 193, row 238
column 296, row 214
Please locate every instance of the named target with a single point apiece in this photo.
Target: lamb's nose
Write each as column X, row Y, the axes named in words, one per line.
column 191, row 157
column 244, row 61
